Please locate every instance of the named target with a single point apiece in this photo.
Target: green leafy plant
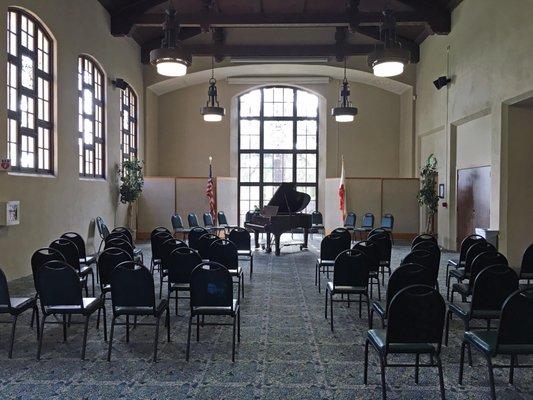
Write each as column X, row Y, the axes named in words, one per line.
column 131, row 185
column 427, row 195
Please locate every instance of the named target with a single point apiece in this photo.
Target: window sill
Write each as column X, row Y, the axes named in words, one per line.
column 32, row 175
column 87, row 179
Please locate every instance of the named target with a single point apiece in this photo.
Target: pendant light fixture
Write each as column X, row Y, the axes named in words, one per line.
column 170, row 59
column 212, row 112
column 344, row 112
column 392, row 58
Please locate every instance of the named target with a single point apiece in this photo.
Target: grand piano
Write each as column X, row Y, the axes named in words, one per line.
column 289, row 202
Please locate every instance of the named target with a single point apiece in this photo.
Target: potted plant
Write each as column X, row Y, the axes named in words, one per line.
column 427, row 195
column 131, row 184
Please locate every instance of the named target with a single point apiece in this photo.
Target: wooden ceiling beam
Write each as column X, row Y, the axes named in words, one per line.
column 224, row 50
column 122, row 19
column 408, row 44
column 439, row 17
column 215, row 20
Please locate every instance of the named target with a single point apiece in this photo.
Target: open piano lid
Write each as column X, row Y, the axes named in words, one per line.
column 288, row 199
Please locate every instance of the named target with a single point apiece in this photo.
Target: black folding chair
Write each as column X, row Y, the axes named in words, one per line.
column 428, row 259
column 180, row 265
column 366, row 226
column 133, row 294
column 225, row 252
column 330, row 247
column 514, row 336
column 317, row 223
column 350, row 276
column 415, row 324
column 194, row 237
column 387, row 224
column 60, row 293
column 72, row 256
column 526, row 267
column 372, row 252
column 204, row 243
column 460, row 262
column 177, row 226
column 349, row 222
column 223, row 222
column 192, row 219
column 165, row 250
column 212, row 295
column 384, row 243
column 157, row 237
column 80, row 244
column 423, row 238
column 137, row 253
column 14, row 306
column 242, row 240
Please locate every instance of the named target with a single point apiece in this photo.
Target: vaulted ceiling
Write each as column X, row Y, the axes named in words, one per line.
column 280, row 28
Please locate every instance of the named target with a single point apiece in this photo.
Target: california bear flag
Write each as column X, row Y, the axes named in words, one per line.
column 342, row 190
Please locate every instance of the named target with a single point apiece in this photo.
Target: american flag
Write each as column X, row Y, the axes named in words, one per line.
column 342, row 191
column 210, row 193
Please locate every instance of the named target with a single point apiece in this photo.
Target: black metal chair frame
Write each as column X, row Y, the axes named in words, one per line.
column 197, row 312
column 242, row 249
column 326, row 265
column 235, row 270
column 83, row 273
column 431, row 348
column 460, row 262
column 317, row 223
column 346, row 288
column 384, row 263
column 526, row 266
column 390, row 228
column 366, row 225
column 179, row 286
column 373, row 276
column 157, row 237
column 177, row 226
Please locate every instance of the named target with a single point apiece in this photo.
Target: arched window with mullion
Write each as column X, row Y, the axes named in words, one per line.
column 128, row 123
column 30, row 114
column 91, row 114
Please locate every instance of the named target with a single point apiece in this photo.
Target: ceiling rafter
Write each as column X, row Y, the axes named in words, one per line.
column 408, row 44
column 438, row 16
column 122, row 19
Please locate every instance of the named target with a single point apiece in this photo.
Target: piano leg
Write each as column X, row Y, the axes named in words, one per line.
column 268, row 246
column 256, row 238
column 277, row 238
column 306, row 238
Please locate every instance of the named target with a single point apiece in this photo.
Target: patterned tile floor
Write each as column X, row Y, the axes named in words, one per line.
column 287, row 352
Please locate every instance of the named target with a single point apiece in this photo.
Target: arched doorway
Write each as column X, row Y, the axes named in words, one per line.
column 277, row 142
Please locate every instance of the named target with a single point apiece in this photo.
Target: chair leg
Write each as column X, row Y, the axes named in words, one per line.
column 156, row 339
column 379, row 289
column 40, row 345
column 383, row 384
column 417, row 363
column 127, row 328
column 188, row 339
column 85, row 329
column 168, row 324
column 233, row 344
column 462, row 363
column 365, row 373
column 160, row 283
column 239, row 325
column 111, row 338
column 326, row 304
column 36, row 313
column 12, row 340
column 360, row 297
column 447, row 329
column 241, row 279
column 367, row 307
column 331, row 309
column 105, row 322
column 251, row 266
column 441, row 377
column 198, row 328
column 371, row 319
column 64, row 328
column 491, row 379
column 511, row 369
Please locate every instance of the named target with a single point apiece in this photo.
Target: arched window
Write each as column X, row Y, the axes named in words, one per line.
column 278, row 142
column 91, row 114
column 29, row 94
column 128, row 118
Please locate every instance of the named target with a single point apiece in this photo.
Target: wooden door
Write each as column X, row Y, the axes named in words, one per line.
column 473, row 201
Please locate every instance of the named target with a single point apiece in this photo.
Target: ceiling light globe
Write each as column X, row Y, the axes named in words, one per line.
column 171, row 68
column 387, row 69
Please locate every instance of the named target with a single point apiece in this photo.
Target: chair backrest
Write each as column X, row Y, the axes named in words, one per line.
column 102, row 228
column 41, row 257
column 155, row 231
column 156, row 240
column 121, row 244
column 177, row 222
column 416, row 315
column 132, row 285
column 194, row 236
column 425, row 258
column 222, row 220
column 368, row 221
column 475, row 250
column 248, row 216
column 166, row 248
column 422, row 238
column 387, row 221
column 349, row 221
column 371, row 250
column 343, row 232
column 126, row 232
column 192, row 220
column 484, row 260
column 5, row 300
column 467, row 243
column 332, row 245
column 224, row 252
column 351, row 269
column 117, row 235
column 78, row 241
column 527, row 261
column 516, row 319
column 108, row 260
column 384, row 242
column 377, row 231
column 428, row 245
column 241, row 238
column 69, row 250
column 316, row 218
column 492, row 286
column 181, row 263
column 211, row 286
column 59, row 285
column 208, row 220
column 408, row 275
column 205, row 243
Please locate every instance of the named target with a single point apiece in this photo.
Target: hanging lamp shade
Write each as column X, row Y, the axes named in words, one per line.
column 212, row 112
column 170, row 59
column 391, row 59
column 345, row 111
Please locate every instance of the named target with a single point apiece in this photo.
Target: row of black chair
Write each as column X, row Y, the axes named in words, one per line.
column 192, row 221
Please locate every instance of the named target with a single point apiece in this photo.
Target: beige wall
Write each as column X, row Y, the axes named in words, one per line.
column 53, row 205
column 490, row 58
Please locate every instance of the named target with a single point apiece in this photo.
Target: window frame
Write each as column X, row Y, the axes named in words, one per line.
column 261, row 151
column 132, row 119
column 32, row 94
column 96, row 68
